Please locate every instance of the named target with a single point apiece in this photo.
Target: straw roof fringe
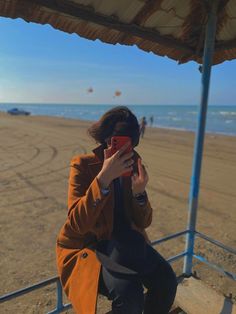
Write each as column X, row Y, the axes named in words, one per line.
column 173, row 28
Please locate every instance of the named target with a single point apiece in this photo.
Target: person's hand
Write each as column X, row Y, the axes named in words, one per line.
column 114, row 166
column 140, row 179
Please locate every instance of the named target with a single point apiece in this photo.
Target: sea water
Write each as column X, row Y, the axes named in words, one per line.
column 220, row 118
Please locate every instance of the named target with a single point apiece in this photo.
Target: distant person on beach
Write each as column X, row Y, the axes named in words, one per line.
column 142, row 126
column 151, row 119
column 103, row 247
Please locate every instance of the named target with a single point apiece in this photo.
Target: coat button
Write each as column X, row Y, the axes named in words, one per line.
column 96, row 202
column 84, row 255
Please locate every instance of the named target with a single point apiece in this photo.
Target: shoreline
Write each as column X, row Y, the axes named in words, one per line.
column 221, row 119
column 148, row 127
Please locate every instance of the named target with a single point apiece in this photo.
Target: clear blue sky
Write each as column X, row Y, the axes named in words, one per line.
column 43, row 65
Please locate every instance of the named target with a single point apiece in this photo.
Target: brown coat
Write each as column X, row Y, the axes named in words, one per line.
column 90, row 218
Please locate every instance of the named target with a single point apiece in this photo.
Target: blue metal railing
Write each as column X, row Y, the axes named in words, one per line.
column 60, row 307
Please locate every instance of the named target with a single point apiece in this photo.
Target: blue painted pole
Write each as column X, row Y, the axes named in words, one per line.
column 59, row 296
column 199, row 141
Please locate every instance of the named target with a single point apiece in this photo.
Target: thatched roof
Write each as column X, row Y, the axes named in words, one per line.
column 173, row 28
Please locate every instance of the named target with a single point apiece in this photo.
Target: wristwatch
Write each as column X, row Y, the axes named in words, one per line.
column 141, row 198
column 105, row 191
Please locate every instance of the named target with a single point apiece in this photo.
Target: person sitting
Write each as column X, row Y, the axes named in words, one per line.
column 103, row 246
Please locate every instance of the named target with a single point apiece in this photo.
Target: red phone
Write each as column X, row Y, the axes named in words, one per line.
column 116, row 143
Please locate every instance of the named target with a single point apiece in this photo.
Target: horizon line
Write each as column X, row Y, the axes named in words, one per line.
column 108, row 104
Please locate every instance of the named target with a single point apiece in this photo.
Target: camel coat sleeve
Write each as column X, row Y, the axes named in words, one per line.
column 85, row 200
column 141, row 214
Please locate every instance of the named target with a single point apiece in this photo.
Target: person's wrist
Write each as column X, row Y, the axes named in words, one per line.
column 103, row 180
column 139, row 194
column 139, row 191
column 141, row 198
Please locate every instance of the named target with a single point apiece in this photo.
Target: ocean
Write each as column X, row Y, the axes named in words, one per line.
column 220, row 119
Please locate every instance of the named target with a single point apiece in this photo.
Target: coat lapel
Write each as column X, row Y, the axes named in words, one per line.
column 94, row 168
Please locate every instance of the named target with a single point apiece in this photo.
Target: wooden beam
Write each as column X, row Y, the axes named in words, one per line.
column 88, row 14
column 144, row 13
column 147, row 10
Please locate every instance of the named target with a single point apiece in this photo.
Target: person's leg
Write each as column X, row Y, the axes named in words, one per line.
column 160, row 282
column 126, row 292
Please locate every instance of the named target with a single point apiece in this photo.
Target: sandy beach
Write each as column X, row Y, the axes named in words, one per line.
column 35, row 153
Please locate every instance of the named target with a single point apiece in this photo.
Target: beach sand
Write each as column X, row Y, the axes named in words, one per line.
column 35, row 153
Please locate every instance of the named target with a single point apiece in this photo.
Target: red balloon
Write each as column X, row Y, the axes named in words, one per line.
column 117, row 93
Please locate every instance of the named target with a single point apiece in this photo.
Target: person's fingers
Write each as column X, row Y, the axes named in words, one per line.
column 134, row 177
column 107, row 153
column 146, row 175
column 128, row 163
column 118, row 153
column 129, row 169
column 132, row 180
column 141, row 169
column 127, row 156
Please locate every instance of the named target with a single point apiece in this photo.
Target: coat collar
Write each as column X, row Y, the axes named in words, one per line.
column 98, row 152
column 96, row 165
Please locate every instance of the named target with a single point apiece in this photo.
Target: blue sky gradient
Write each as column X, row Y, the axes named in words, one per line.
column 43, row 65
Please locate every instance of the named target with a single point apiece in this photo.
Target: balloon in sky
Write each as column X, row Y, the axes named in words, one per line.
column 117, row 93
column 90, row 90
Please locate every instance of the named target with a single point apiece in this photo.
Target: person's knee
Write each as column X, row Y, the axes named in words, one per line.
column 170, row 285
column 127, row 305
column 129, row 299
column 166, row 280
column 161, row 291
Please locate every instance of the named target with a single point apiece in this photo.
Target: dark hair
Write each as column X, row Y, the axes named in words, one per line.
column 118, row 121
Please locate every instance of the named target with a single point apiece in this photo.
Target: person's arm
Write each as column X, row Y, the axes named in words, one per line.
column 85, row 199
column 141, row 208
column 141, row 213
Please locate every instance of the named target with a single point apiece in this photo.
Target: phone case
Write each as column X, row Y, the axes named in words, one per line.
column 119, row 141
column 116, row 143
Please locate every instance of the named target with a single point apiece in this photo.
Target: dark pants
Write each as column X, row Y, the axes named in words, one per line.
column 126, row 292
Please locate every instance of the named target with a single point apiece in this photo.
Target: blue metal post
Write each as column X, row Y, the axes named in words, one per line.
column 199, row 141
column 59, row 296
